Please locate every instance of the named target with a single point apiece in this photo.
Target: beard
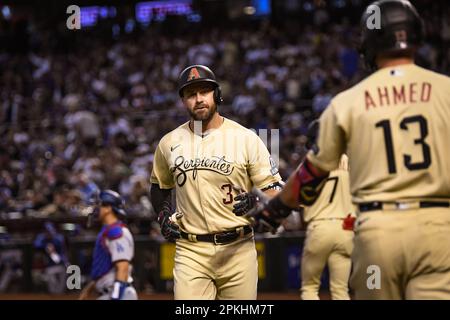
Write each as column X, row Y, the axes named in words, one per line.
column 204, row 115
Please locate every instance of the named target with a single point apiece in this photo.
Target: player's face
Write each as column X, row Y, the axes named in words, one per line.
column 104, row 211
column 199, row 101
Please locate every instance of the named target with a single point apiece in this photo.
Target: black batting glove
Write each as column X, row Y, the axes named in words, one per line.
column 264, row 223
column 246, row 202
column 169, row 229
column 268, row 213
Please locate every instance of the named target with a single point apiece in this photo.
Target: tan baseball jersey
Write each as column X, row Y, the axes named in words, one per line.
column 334, row 200
column 204, row 169
column 394, row 127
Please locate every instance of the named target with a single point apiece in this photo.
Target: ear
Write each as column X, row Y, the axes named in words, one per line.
column 218, row 96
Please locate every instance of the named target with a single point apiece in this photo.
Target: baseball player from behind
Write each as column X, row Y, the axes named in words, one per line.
column 394, row 127
column 114, row 250
column 207, row 161
column 329, row 237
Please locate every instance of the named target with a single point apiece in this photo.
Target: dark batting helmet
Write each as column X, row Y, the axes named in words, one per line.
column 199, row 73
column 389, row 26
column 105, row 198
column 113, row 199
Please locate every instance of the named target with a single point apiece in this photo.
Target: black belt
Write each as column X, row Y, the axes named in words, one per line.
column 371, row 206
column 218, row 238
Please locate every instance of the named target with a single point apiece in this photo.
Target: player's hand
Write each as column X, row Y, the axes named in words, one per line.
column 169, row 229
column 265, row 224
column 264, row 220
column 246, row 201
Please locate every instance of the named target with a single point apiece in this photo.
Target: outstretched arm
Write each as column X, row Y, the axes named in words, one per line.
column 303, row 187
column 246, row 201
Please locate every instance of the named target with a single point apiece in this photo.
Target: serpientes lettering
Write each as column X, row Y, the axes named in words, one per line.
column 216, row 164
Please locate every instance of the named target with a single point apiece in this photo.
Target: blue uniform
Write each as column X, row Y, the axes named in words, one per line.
column 43, row 241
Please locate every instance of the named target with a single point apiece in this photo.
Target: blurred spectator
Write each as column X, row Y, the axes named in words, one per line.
column 10, row 268
column 52, row 245
column 84, row 183
column 349, row 59
column 244, row 103
column 321, row 101
column 11, row 261
column 138, row 201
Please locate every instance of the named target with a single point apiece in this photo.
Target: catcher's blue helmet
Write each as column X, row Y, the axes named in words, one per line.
column 113, row 199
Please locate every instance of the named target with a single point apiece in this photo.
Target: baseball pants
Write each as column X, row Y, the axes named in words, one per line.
column 205, row 271
column 56, row 279
column 402, row 254
column 326, row 243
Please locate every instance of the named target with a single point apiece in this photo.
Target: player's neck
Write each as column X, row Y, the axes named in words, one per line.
column 393, row 62
column 110, row 219
column 215, row 122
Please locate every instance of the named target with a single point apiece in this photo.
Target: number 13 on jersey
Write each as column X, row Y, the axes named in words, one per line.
column 406, row 124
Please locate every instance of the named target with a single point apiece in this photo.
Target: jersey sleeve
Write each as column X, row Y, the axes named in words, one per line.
column 161, row 174
column 330, row 144
column 120, row 246
column 262, row 169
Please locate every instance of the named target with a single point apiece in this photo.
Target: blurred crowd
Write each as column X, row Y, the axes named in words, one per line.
column 84, row 112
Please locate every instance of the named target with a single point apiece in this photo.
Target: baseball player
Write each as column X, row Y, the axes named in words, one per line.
column 52, row 244
column 329, row 237
column 208, row 160
column 114, row 250
column 394, row 127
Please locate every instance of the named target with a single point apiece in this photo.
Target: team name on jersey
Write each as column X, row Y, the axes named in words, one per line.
column 217, row 164
column 386, row 96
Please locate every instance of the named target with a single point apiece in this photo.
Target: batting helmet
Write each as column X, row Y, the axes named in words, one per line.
column 113, row 199
column 398, row 27
column 199, row 73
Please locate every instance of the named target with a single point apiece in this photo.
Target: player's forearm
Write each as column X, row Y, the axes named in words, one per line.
column 300, row 179
column 160, row 198
column 287, row 195
column 121, row 280
column 122, row 271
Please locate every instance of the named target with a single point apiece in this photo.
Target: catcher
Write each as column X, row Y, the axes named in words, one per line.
column 113, row 253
